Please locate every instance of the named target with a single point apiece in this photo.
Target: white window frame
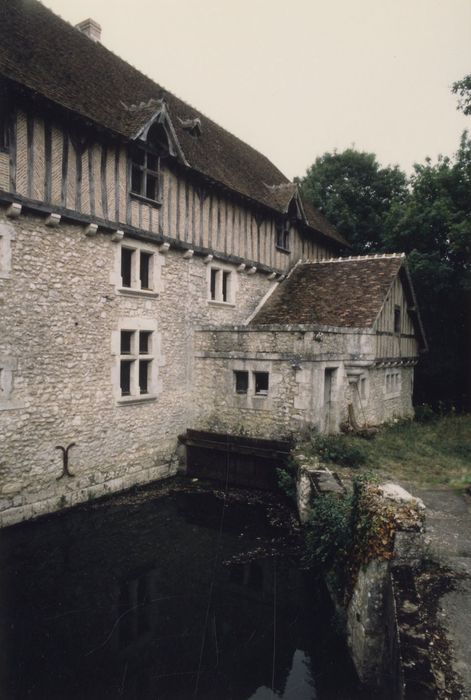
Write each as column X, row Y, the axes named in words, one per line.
column 156, row 262
column 135, row 326
column 220, row 270
column 7, row 235
column 392, row 383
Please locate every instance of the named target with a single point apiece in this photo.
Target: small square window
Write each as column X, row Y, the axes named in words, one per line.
column 137, row 268
column 261, row 383
column 221, row 285
column 241, row 382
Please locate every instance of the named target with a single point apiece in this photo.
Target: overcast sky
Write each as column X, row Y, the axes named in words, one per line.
column 295, row 79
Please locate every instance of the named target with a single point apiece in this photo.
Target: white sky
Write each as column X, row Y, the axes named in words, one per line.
column 295, row 79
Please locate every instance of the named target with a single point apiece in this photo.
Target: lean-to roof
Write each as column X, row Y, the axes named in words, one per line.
column 346, row 292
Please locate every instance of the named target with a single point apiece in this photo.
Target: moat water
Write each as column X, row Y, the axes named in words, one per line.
column 172, row 592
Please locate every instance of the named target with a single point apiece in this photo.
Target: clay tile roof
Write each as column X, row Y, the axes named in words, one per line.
column 339, row 292
column 51, row 57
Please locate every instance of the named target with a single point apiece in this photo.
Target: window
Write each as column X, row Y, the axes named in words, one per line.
column 241, row 382
column 282, row 235
column 135, row 365
column 393, row 383
column 221, row 285
column 397, row 320
column 136, row 267
column 145, row 175
column 261, row 383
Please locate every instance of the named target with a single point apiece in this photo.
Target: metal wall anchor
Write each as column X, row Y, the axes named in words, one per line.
column 65, row 460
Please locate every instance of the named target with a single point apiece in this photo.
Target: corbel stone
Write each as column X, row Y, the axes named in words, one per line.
column 117, row 236
column 252, row 270
column 164, row 248
column 91, row 229
column 241, row 267
column 272, row 275
column 208, row 259
column 188, row 254
column 53, row 220
column 14, row 210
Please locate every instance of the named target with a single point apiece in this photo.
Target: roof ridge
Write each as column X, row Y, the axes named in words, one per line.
column 375, row 256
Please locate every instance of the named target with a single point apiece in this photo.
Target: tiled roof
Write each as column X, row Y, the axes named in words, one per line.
column 338, row 292
column 43, row 52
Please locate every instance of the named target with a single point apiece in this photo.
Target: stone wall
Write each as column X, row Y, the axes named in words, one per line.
column 60, row 310
column 298, row 360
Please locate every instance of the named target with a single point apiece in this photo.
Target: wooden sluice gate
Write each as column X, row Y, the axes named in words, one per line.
column 243, row 461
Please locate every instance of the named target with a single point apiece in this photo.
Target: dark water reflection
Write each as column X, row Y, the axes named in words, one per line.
column 166, row 594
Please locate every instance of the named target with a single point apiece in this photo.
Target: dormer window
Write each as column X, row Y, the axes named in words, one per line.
column 282, row 235
column 145, row 176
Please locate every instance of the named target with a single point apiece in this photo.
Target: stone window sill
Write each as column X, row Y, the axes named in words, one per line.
column 145, row 398
column 134, row 292
column 227, row 304
column 283, row 250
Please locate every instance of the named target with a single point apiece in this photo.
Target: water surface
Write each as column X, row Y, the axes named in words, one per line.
column 171, row 593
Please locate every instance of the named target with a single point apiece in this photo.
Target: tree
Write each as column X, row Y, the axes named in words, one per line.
column 434, row 228
column 355, row 194
column 463, row 89
column 429, row 218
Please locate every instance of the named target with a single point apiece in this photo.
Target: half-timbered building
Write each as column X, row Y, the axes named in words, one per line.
column 156, row 274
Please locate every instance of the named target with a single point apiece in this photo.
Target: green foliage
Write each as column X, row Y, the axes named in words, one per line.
column 425, row 413
column 329, row 532
column 463, row 89
column 287, row 479
column 355, row 194
column 339, row 450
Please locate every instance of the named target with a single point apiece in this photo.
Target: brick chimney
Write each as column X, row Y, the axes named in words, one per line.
column 90, row 28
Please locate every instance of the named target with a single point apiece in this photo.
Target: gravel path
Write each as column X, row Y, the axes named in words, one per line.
column 448, row 529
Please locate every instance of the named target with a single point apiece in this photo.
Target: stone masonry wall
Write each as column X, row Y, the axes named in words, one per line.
column 59, row 310
column 296, row 359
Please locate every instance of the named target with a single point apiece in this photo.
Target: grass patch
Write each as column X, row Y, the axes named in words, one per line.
column 430, row 453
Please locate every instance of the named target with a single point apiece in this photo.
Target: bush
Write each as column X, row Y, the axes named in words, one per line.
column 338, row 449
column 287, row 479
column 425, row 414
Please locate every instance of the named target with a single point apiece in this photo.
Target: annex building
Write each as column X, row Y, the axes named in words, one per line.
column 158, row 274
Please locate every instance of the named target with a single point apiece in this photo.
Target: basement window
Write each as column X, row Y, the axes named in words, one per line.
column 145, row 176
column 241, row 382
column 397, row 320
column 261, row 383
